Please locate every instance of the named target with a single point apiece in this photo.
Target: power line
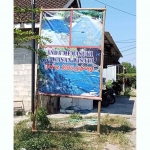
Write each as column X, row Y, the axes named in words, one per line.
column 126, row 42
column 130, row 54
column 116, row 8
column 131, row 59
column 128, row 49
column 127, row 46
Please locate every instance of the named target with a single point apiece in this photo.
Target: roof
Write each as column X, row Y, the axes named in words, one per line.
column 23, row 17
column 109, row 43
column 111, row 51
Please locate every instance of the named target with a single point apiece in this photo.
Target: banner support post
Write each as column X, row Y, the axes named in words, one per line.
column 101, row 72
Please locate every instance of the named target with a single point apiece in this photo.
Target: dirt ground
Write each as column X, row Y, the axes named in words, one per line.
column 124, row 106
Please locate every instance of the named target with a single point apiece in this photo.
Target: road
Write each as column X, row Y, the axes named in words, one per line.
column 86, row 33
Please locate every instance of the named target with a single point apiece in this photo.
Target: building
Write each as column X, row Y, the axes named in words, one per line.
column 22, row 57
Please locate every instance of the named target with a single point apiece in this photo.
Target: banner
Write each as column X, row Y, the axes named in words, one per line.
column 72, row 65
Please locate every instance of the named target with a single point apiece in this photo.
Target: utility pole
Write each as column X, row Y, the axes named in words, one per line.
column 33, row 59
column 123, row 86
column 118, row 71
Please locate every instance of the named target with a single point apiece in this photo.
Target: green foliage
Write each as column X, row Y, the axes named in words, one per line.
column 113, row 131
column 19, row 113
column 127, row 75
column 31, row 116
column 127, row 91
column 92, row 13
column 129, row 68
column 130, row 74
column 134, row 85
column 19, row 10
column 109, row 84
column 25, row 138
column 22, row 36
column 42, row 119
column 75, row 116
column 132, row 94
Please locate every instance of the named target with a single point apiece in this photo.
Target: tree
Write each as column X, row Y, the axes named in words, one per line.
column 129, row 75
column 22, row 36
column 128, row 67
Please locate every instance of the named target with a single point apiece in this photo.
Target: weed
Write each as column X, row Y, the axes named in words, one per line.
column 113, row 131
column 25, row 138
column 76, row 116
column 19, row 113
column 41, row 117
column 108, row 84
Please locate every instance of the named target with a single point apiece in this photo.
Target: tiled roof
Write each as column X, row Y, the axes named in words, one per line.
column 23, row 17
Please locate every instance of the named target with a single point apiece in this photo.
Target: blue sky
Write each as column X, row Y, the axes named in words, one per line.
column 121, row 26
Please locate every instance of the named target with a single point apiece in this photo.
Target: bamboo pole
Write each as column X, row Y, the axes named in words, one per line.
column 101, row 73
column 69, row 96
column 62, row 9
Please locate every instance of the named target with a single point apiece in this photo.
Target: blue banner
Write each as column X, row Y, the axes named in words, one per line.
column 72, row 65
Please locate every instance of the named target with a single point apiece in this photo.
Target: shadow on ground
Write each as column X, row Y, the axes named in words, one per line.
column 123, row 105
column 105, row 129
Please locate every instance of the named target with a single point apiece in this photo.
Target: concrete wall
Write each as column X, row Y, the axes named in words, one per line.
column 109, row 73
column 22, row 77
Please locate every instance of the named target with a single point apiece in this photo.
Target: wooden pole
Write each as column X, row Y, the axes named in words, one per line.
column 99, row 112
column 123, row 88
column 101, row 73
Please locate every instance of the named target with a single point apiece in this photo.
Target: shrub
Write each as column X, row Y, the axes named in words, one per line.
column 127, row 91
column 41, row 118
column 109, row 84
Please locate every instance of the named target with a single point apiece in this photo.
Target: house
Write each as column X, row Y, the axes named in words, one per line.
column 111, row 57
column 22, row 57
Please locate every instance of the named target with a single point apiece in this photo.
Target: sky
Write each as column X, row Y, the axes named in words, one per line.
column 120, row 25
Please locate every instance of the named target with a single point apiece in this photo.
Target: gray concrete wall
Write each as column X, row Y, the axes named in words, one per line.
column 22, row 77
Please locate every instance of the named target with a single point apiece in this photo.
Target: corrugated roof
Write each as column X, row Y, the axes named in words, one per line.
column 109, row 42
column 23, row 17
column 111, row 51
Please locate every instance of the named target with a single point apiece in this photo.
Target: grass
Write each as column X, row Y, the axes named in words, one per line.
column 130, row 94
column 25, row 138
column 75, row 116
column 113, row 131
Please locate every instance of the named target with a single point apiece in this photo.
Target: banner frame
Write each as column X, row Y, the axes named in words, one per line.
column 101, row 67
column 100, row 48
